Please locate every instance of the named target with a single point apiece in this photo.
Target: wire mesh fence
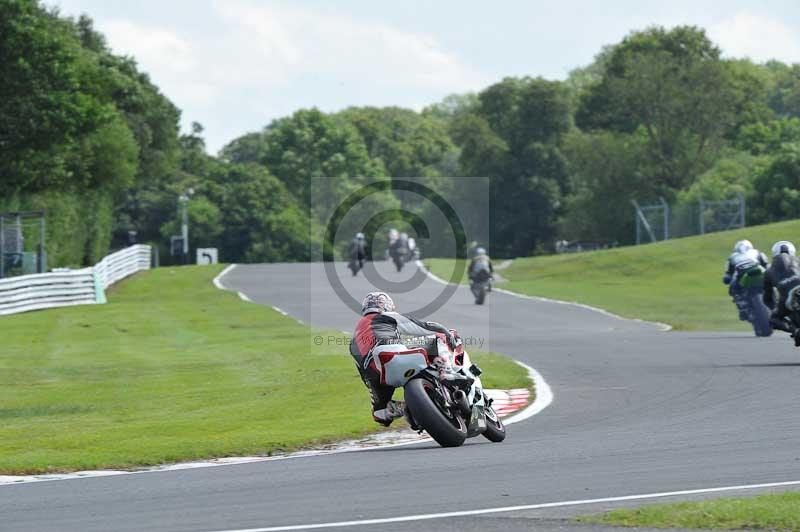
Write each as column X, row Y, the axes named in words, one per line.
column 656, row 221
column 22, row 242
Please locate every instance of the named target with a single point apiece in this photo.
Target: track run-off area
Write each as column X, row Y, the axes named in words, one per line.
column 638, row 414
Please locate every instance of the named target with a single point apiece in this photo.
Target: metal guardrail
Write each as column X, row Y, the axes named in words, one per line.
column 71, row 287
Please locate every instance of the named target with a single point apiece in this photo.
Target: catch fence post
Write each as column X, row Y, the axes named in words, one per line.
column 40, row 268
column 2, row 246
column 742, row 209
column 702, row 216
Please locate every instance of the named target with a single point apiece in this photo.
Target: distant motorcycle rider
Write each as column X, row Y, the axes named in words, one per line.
column 358, row 252
column 480, row 267
column 783, row 277
column 379, row 331
column 394, row 234
column 413, row 252
column 398, row 250
column 745, row 264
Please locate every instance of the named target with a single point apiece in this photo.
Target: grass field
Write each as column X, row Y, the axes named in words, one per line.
column 174, row 369
column 677, row 282
column 768, row 512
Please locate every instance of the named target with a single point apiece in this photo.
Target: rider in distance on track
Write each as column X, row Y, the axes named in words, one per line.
column 782, row 276
column 745, row 261
column 358, row 250
column 480, row 268
column 379, row 331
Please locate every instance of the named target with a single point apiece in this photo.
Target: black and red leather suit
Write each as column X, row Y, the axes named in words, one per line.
column 383, row 329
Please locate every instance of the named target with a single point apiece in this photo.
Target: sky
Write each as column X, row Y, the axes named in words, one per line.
column 236, row 65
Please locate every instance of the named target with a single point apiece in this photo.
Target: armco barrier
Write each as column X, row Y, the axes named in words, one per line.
column 74, row 287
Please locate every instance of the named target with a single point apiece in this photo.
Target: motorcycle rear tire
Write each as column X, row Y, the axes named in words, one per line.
column 760, row 313
column 480, row 297
column 427, row 415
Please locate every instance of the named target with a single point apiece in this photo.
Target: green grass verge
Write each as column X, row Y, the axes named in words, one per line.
column 677, row 282
column 768, row 512
column 173, row 369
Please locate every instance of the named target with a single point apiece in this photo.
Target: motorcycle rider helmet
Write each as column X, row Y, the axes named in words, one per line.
column 359, row 236
column 743, row 246
column 784, row 246
column 480, row 251
column 393, row 234
column 377, row 302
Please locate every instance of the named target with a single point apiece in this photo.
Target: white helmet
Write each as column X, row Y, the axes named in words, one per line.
column 376, row 302
column 480, row 251
column 743, row 246
column 359, row 236
column 784, row 246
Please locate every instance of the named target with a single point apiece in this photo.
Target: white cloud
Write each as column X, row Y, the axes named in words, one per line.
column 242, row 63
column 150, row 45
column 170, row 59
column 290, row 41
column 756, row 36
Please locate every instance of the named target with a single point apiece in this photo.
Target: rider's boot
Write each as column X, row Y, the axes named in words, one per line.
column 392, row 411
column 782, row 325
column 796, row 335
column 742, row 306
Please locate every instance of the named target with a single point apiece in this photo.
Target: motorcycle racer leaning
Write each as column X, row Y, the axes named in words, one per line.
column 379, row 331
column 782, row 276
column 743, row 262
column 480, row 267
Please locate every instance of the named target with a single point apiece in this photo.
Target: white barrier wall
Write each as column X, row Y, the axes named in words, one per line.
column 122, row 264
column 75, row 287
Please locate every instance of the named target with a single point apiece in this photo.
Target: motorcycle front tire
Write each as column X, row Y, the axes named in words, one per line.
column 495, row 429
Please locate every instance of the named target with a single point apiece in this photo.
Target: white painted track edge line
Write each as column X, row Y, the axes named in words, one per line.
column 662, row 326
column 543, row 396
column 218, row 279
column 524, row 507
column 242, row 295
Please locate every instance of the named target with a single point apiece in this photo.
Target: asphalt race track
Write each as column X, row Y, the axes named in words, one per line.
column 636, row 411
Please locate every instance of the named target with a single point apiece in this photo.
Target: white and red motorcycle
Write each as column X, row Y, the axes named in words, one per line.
column 443, row 391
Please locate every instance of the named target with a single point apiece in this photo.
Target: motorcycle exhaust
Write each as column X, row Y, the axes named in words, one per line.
column 460, row 399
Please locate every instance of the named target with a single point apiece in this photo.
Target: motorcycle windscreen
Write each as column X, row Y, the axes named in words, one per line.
column 396, row 367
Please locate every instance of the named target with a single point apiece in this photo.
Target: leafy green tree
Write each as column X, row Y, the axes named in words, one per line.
column 514, row 139
column 43, row 104
column 784, row 96
column 776, row 187
column 262, row 220
column 453, row 107
column 407, row 143
column 762, row 138
column 605, row 171
column 731, row 175
column 306, row 145
column 673, row 86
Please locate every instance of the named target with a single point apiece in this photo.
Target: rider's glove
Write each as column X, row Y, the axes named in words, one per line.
column 726, row 279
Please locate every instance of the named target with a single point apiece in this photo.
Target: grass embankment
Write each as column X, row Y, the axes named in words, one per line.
column 768, row 512
column 677, row 282
column 174, row 369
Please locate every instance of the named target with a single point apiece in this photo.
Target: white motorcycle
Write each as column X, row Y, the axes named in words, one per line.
column 443, row 392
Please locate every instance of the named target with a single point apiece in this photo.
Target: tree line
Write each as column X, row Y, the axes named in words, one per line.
column 87, row 136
